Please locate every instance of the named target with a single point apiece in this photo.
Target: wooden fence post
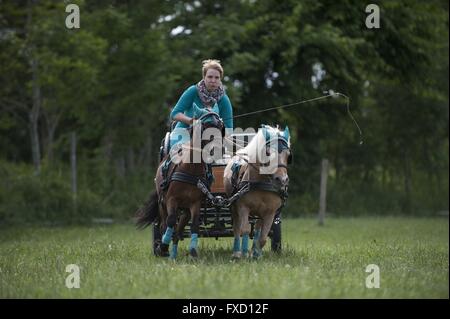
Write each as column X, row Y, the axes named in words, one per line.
column 323, row 192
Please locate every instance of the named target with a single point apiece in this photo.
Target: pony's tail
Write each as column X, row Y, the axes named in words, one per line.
column 148, row 213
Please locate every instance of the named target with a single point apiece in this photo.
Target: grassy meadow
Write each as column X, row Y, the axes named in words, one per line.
column 115, row 261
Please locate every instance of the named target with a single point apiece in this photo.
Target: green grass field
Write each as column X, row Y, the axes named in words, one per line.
column 316, row 262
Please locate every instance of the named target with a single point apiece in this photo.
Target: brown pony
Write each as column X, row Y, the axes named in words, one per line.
column 178, row 191
column 267, row 186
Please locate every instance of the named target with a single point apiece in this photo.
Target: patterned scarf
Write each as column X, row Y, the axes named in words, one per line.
column 209, row 98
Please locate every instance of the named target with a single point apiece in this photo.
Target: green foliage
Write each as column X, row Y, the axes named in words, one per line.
column 45, row 199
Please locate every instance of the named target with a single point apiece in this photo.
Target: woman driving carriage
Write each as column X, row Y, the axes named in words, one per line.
column 208, row 95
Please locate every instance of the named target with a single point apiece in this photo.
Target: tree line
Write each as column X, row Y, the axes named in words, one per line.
column 114, row 80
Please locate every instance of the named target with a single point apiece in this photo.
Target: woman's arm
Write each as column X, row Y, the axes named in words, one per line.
column 183, row 118
column 184, row 103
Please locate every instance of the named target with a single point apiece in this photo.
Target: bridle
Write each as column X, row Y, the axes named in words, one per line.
column 268, row 183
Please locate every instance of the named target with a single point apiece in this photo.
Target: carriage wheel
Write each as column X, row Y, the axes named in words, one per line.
column 276, row 235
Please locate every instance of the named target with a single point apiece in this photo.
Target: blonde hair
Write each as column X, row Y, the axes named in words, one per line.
column 212, row 64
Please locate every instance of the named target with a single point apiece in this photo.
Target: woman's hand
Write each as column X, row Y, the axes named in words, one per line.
column 183, row 118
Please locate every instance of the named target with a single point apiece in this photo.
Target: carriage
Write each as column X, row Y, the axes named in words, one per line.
column 216, row 218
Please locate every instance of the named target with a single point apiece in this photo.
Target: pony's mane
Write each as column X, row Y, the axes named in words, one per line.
column 259, row 139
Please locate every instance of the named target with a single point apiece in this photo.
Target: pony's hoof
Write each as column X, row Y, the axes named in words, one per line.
column 163, row 250
column 193, row 253
column 237, row 255
column 256, row 254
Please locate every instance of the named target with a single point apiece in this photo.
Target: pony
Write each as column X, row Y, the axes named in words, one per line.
column 266, row 186
column 177, row 195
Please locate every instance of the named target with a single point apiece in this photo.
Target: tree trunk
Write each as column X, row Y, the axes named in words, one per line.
column 52, row 124
column 73, row 164
column 120, row 166
column 33, row 115
column 147, row 155
column 51, row 136
column 34, row 118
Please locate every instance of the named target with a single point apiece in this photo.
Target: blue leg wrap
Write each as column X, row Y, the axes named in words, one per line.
column 245, row 243
column 174, row 252
column 194, row 241
column 167, row 236
column 236, row 245
column 256, row 235
column 256, row 250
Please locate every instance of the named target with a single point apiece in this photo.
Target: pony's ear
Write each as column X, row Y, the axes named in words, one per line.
column 286, row 134
column 266, row 132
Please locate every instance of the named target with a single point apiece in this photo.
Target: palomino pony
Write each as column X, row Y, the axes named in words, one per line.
column 267, row 186
column 177, row 191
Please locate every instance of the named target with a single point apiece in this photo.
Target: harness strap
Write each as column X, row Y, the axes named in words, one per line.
column 263, row 186
column 170, row 175
column 186, row 178
column 166, row 167
column 246, row 186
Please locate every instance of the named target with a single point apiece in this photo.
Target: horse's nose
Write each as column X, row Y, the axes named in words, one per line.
column 282, row 180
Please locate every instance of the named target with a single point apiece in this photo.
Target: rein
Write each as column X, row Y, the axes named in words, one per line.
column 330, row 94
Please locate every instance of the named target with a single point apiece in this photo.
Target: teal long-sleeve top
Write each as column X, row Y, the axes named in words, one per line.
column 190, row 96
